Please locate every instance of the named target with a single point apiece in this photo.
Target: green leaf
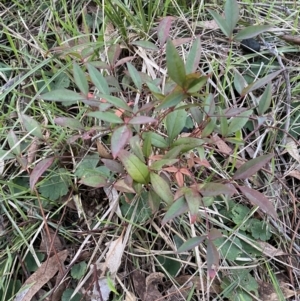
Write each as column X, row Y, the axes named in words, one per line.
column 239, row 82
column 87, row 165
column 135, row 167
column 191, row 243
column 78, row 270
column 232, row 14
column 251, row 167
column 194, row 56
column 32, row 126
column 177, row 208
column 71, row 123
column 175, row 122
column 172, row 99
column 169, row 265
column 194, row 83
column 145, row 45
column 117, row 102
column 14, row 143
column 98, row 79
column 106, row 116
column 136, row 147
column 93, row 180
column 157, row 140
column 175, row 65
column 147, row 147
column 209, row 128
column 260, row 230
column 252, row 31
column 157, row 165
column 260, row 82
column 67, row 97
column 229, row 250
column 221, row 23
column 135, row 76
column 6, row 155
column 161, row 187
column 142, row 120
column 238, row 122
column 80, row 79
column 265, row 100
column 68, row 293
column 215, row 189
column 193, row 200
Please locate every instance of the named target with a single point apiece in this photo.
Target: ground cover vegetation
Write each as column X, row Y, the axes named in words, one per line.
column 149, row 150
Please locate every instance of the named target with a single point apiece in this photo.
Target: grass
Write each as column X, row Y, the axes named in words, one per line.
column 123, row 236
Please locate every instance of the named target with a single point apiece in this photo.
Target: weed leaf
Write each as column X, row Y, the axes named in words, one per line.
column 145, row 45
column 71, row 123
column 215, row 189
column 80, row 79
column 142, row 120
column 95, row 181
column 38, row 170
column 135, row 167
column 119, row 139
column 14, row 143
column 98, row 79
column 117, row 102
column 251, row 167
column 32, row 126
column 191, row 244
column 67, row 97
column 221, row 23
column 163, row 30
column 193, row 58
column 106, row 116
column 193, row 200
column 172, row 99
column 175, row 65
column 213, row 258
column 252, row 31
column 239, row 121
column 265, row 100
column 258, row 199
column 161, row 187
column 135, row 76
column 232, row 14
column 175, row 122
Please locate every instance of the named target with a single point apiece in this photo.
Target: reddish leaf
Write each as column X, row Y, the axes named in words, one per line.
column 258, row 199
column 142, row 120
column 214, row 234
column 191, row 244
column 113, row 165
column 163, row 29
column 251, row 167
column 38, row 170
column 212, row 258
column 119, row 139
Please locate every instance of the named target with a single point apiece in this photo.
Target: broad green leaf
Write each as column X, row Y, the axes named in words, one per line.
column 80, row 79
column 177, row 208
column 6, row 155
column 153, row 201
column 135, row 76
column 161, row 187
column 260, row 82
column 98, row 79
column 72, row 123
column 87, row 165
column 14, row 143
column 209, row 128
column 154, row 88
column 209, row 105
column 265, row 100
column 223, row 124
column 113, row 54
column 32, row 126
column 145, row 45
column 120, row 137
column 251, row 167
column 135, row 146
column 117, row 102
column 156, row 139
column 67, row 97
column 238, row 122
column 188, row 142
column 78, row 270
column 191, row 243
column 157, row 165
column 232, row 14
column 172, row 99
column 252, row 31
column 106, row 116
column 95, row 180
column 239, row 82
column 175, row 65
column 169, row 265
column 135, row 167
column 175, row 122
column 258, row 199
column 221, row 23
column 147, row 146
column 194, row 56
column 173, row 152
column 194, row 82
column 38, row 170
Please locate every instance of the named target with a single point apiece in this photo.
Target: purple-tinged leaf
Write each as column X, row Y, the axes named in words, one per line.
column 215, row 189
column 212, row 258
column 258, row 199
column 14, row 143
column 175, row 65
column 260, row 82
column 113, row 165
column 134, row 166
column 106, row 116
column 177, row 208
column 32, row 126
column 163, row 30
column 161, row 187
column 95, row 181
column 71, row 123
column 214, row 234
column 119, row 139
column 191, row 244
column 38, row 170
column 251, row 167
column 142, row 120
column 80, row 79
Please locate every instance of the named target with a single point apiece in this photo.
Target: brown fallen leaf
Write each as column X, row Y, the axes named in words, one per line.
column 49, row 244
column 267, row 291
column 38, row 279
column 290, row 39
column 152, row 293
